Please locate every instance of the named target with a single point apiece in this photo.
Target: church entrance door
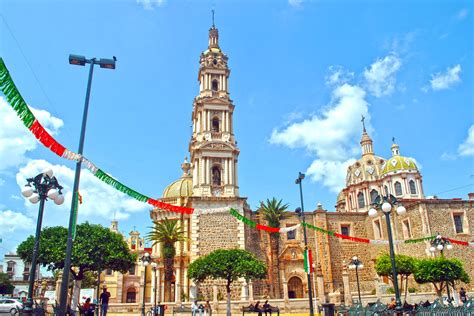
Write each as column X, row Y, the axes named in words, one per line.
column 295, row 287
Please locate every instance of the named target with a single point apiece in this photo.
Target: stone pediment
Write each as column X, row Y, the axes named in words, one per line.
column 217, row 146
column 292, row 252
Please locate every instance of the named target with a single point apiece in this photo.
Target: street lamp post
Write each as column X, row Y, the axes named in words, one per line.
column 146, row 259
column 154, row 266
column 39, row 189
column 386, row 203
column 440, row 243
column 300, row 212
column 80, row 61
column 356, row 264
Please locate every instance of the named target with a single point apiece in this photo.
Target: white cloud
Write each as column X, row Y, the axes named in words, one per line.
column 467, row 147
column 447, row 79
column 448, row 156
column 15, row 139
column 295, row 3
column 462, row 14
column 11, row 221
column 99, row 199
column 338, row 75
column 380, row 77
column 2, row 182
column 330, row 136
column 150, row 4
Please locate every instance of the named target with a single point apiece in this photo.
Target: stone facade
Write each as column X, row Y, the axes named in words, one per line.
column 209, row 184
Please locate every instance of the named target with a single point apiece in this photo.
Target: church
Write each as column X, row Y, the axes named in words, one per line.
column 209, row 184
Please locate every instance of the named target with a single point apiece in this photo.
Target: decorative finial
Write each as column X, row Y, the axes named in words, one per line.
column 393, row 139
column 213, row 18
column 363, row 122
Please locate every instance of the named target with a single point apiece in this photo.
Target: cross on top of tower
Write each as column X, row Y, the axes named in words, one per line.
column 363, row 121
column 393, row 139
column 213, row 18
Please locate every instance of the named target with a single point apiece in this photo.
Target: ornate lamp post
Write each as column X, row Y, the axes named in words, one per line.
column 79, row 61
column 386, row 203
column 440, row 243
column 146, row 259
column 356, row 264
column 154, row 266
column 300, row 212
column 39, row 189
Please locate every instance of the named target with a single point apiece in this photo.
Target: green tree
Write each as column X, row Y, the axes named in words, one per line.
column 6, row 287
column 227, row 264
column 167, row 233
column 95, row 248
column 440, row 272
column 405, row 266
column 273, row 211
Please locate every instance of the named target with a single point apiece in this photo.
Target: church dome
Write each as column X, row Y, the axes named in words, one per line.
column 183, row 187
column 398, row 163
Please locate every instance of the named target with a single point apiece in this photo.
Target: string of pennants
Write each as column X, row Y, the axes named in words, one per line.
column 16, row 101
column 269, row 229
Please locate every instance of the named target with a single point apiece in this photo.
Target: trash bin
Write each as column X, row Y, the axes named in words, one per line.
column 160, row 309
column 328, row 309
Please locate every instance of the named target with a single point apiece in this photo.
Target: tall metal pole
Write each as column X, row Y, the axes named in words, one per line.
column 72, row 214
column 143, row 299
column 310, row 292
column 358, row 285
column 31, row 284
column 398, row 308
column 97, row 294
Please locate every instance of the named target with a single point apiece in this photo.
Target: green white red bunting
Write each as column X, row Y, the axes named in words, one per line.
column 308, row 259
column 16, row 101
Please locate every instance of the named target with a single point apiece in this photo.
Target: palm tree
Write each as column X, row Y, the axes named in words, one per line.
column 273, row 212
column 167, row 233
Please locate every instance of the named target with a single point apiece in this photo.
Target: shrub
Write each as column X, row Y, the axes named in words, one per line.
column 411, row 290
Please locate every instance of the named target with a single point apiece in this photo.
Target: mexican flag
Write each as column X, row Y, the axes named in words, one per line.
column 308, row 261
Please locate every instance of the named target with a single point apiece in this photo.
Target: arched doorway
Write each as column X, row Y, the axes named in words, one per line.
column 295, row 287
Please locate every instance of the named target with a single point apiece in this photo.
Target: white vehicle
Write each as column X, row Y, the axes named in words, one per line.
column 8, row 305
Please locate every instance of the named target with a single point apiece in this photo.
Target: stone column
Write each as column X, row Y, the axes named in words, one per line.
column 346, row 285
column 58, row 286
column 378, row 293
column 177, row 291
column 186, row 281
column 286, row 300
column 119, row 287
column 215, row 301
column 251, row 292
column 244, row 294
column 159, row 294
column 320, row 284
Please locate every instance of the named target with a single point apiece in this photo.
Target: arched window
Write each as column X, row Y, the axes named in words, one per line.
column 386, row 190
column 131, row 295
column 373, row 195
column 216, row 175
column 215, row 85
column 398, row 188
column 215, row 124
column 361, row 200
column 412, row 187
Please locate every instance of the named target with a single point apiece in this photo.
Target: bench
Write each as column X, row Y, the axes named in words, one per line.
column 250, row 309
column 182, row 309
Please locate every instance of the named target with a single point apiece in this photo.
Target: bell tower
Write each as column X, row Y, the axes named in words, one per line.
column 213, row 149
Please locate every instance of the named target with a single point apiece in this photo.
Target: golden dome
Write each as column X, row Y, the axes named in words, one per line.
column 183, row 187
column 398, row 164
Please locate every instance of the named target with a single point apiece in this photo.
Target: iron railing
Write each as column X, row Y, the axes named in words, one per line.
column 380, row 309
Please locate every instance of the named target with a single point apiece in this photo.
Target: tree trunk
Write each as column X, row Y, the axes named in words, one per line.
column 228, row 297
column 168, row 277
column 406, row 288
column 76, row 292
column 274, row 241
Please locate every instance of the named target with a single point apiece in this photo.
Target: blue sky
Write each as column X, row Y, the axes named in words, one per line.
column 302, row 73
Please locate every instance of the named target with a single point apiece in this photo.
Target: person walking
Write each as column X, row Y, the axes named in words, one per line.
column 104, row 302
column 208, row 308
column 463, row 295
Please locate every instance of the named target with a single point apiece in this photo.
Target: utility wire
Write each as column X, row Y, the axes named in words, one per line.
column 28, row 63
column 454, row 189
